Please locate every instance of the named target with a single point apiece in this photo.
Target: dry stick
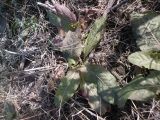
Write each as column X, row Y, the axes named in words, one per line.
column 40, row 69
column 88, row 111
column 118, row 5
column 47, row 6
column 31, row 117
column 110, row 8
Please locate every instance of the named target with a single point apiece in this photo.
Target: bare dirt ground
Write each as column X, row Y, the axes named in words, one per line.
column 31, row 66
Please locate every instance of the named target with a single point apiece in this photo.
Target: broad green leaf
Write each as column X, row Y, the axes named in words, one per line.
column 67, row 88
column 9, row 111
column 94, row 36
column 146, row 29
column 95, row 101
column 94, row 73
column 102, row 86
column 60, row 21
column 72, row 45
column 147, row 59
column 140, row 88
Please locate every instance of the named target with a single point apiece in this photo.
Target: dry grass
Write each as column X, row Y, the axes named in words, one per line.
column 32, row 67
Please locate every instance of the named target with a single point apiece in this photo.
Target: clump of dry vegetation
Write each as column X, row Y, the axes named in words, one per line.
column 53, row 53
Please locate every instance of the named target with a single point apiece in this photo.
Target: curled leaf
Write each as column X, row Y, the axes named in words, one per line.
column 64, row 11
column 60, row 21
column 60, row 15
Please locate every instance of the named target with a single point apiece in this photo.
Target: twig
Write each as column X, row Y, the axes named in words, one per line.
column 11, row 52
column 47, row 6
column 21, row 78
column 28, row 118
column 110, row 8
column 109, row 5
column 93, row 114
column 39, row 68
column 118, row 5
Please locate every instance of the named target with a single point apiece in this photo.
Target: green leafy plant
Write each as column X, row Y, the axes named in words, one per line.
column 83, row 75
column 99, row 85
column 67, row 87
column 94, row 36
column 146, row 29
